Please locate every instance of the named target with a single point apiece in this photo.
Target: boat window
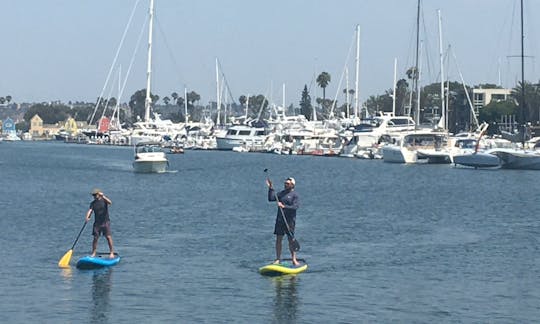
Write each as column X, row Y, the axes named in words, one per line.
column 398, row 122
column 231, row 132
column 260, row 132
column 243, row 132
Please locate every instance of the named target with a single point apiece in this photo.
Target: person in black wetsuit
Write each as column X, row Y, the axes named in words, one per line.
column 102, row 224
column 288, row 202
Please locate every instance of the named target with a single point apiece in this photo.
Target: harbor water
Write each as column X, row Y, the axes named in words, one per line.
column 384, row 242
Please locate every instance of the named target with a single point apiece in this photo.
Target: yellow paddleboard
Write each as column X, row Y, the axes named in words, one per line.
column 283, row 268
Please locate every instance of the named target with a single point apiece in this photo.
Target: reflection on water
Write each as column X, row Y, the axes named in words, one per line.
column 67, row 274
column 101, row 289
column 286, row 299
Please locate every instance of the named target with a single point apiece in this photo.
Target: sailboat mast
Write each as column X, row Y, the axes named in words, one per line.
column 416, row 72
column 522, row 110
column 395, row 86
column 347, row 91
column 218, row 94
column 283, row 101
column 443, row 123
column 148, row 99
column 185, row 105
column 357, row 61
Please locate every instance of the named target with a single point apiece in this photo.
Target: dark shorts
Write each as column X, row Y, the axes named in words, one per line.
column 281, row 229
column 103, row 229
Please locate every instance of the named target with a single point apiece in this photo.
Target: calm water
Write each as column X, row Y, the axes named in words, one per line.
column 385, row 243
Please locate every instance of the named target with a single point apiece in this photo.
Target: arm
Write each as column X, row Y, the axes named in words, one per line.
column 88, row 215
column 107, row 200
column 271, row 193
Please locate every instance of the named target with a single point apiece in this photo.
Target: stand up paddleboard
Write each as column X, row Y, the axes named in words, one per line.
column 99, row 261
column 283, row 268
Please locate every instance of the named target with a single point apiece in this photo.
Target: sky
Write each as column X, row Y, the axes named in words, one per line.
column 64, row 49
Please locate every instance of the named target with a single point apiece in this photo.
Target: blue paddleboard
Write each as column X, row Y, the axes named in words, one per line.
column 99, row 261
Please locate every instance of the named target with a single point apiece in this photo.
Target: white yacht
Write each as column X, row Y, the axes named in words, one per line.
column 518, row 158
column 149, row 158
column 238, row 135
column 406, row 148
column 156, row 130
column 368, row 136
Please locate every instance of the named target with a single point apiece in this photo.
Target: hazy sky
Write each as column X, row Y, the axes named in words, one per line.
column 63, row 49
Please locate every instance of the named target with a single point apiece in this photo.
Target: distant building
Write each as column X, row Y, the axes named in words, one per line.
column 8, row 127
column 40, row 130
column 482, row 97
column 71, row 126
column 9, row 132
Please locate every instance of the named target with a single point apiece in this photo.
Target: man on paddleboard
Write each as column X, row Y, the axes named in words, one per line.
column 288, row 203
column 102, row 224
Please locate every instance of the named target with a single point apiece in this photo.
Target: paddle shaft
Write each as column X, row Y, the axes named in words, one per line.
column 80, row 232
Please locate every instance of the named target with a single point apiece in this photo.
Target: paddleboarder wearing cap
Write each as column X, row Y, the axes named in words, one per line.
column 102, row 224
column 288, row 203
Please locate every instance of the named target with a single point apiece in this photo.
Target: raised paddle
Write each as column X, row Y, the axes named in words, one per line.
column 294, row 242
column 64, row 261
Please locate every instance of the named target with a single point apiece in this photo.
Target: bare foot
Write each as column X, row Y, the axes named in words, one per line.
column 296, row 263
column 276, row 262
column 111, row 256
column 93, row 255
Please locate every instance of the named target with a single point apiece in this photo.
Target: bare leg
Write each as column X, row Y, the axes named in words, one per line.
column 94, row 245
column 279, row 238
column 293, row 254
column 111, row 249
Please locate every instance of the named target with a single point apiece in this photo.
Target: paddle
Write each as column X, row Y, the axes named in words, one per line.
column 64, row 261
column 294, row 243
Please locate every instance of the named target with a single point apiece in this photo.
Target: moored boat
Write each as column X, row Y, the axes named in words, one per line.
column 150, row 158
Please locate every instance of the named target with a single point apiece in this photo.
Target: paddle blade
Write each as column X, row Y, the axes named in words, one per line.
column 64, row 261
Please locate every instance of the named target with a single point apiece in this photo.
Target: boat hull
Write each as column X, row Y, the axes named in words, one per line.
column 518, row 159
column 477, row 160
column 144, row 166
column 228, row 144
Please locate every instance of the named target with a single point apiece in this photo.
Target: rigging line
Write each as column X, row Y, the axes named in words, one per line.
column 342, row 75
column 428, row 64
column 465, row 89
column 131, row 63
column 531, row 37
column 143, row 28
column 226, row 82
column 114, row 61
column 108, row 99
column 169, row 50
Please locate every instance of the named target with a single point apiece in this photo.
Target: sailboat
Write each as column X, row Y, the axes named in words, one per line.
column 149, row 156
column 521, row 158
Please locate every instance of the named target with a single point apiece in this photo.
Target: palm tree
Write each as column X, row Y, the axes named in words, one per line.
column 323, row 80
column 174, row 95
column 193, row 97
column 531, row 94
column 243, row 100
